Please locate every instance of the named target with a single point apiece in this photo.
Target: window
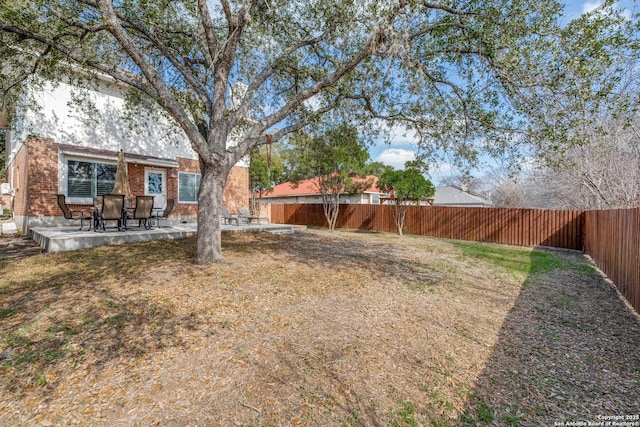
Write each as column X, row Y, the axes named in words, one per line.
column 154, row 183
column 188, row 184
column 87, row 179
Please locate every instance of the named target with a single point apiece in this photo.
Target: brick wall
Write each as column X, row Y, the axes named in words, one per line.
column 36, row 182
column 136, row 179
column 36, row 178
column 20, row 181
column 236, row 193
column 42, row 178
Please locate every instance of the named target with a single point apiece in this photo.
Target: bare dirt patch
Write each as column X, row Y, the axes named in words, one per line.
column 317, row 328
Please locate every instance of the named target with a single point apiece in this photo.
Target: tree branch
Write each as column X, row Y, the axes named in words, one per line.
column 165, row 98
column 210, row 36
column 155, row 41
column 50, row 44
column 190, row 79
column 243, row 110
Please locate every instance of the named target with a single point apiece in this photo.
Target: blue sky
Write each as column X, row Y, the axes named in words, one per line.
column 403, row 145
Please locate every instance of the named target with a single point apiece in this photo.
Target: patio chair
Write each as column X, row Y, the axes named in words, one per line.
column 142, row 212
column 159, row 213
column 227, row 218
column 111, row 210
column 246, row 216
column 74, row 214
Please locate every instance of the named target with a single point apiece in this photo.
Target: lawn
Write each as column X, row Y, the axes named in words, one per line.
column 317, row 328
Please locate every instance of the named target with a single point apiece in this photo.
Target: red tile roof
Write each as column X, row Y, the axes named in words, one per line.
column 310, row 186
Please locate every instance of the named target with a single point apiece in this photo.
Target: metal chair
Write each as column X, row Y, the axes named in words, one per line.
column 74, row 213
column 142, row 212
column 227, row 218
column 159, row 214
column 112, row 210
column 246, row 216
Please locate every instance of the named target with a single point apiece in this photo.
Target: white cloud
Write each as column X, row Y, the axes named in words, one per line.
column 396, row 157
column 399, row 146
column 399, row 135
column 441, row 168
column 314, row 103
column 590, row 6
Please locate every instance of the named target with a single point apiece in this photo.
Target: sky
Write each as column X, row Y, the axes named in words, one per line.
column 403, row 144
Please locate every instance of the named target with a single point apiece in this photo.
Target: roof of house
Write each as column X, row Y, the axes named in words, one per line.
column 451, row 195
column 309, row 187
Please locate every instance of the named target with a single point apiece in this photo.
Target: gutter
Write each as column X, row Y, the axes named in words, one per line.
column 113, row 156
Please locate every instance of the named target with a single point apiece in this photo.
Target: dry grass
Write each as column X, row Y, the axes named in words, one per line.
column 318, row 329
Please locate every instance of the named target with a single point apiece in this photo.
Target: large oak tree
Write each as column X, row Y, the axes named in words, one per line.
column 448, row 69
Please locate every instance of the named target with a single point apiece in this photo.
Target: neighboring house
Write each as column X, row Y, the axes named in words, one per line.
column 451, row 195
column 307, row 192
column 69, row 143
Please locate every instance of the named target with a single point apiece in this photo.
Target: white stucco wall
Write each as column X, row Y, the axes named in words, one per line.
column 99, row 120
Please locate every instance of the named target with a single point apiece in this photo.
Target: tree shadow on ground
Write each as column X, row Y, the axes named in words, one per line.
column 333, row 253
column 71, row 311
column 567, row 348
column 13, row 248
column 567, row 352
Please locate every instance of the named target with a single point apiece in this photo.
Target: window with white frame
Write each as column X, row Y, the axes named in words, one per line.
column 188, row 185
column 86, row 179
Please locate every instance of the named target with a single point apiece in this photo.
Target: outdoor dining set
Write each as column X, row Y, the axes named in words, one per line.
column 115, row 208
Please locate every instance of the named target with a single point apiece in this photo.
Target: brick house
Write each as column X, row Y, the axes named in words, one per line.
column 307, row 191
column 62, row 139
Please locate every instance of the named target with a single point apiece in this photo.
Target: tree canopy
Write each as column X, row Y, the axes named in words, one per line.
column 334, row 160
column 466, row 76
column 336, row 151
column 406, row 186
column 266, row 167
column 3, row 151
column 376, row 168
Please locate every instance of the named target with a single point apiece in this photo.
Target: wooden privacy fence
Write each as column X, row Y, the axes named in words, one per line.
column 524, row 227
column 610, row 237
column 612, row 240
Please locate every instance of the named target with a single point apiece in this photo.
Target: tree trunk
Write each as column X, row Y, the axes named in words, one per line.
column 399, row 212
column 333, row 216
column 401, row 215
column 209, row 239
column 331, row 206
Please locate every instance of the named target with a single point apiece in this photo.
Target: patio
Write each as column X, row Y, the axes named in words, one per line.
column 59, row 239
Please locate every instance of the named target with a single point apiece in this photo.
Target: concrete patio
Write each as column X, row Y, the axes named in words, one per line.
column 58, row 239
